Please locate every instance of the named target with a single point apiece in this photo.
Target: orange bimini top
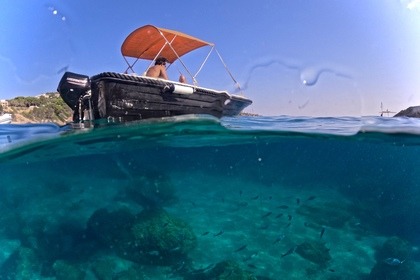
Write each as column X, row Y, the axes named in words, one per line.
column 149, row 42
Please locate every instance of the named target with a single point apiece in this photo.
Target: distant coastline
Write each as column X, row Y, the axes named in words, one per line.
column 411, row 112
column 48, row 107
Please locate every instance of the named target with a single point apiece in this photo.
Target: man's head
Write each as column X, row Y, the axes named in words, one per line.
column 161, row 61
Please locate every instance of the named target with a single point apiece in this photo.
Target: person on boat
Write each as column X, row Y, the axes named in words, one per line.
column 159, row 69
column 182, row 79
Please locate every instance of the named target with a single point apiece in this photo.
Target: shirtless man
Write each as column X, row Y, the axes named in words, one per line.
column 159, row 69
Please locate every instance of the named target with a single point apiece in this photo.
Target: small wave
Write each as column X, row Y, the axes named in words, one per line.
column 46, row 141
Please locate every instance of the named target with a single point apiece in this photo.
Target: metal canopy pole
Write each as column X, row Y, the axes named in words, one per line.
column 230, row 74
column 179, row 58
column 130, row 66
column 204, row 62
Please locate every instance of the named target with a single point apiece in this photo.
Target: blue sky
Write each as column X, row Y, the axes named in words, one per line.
column 292, row 57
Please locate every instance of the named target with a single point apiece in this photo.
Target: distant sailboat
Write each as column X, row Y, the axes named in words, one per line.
column 382, row 112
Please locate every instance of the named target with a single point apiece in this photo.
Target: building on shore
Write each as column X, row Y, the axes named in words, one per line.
column 4, row 103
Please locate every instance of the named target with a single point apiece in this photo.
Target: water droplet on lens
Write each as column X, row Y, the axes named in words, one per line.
column 309, row 77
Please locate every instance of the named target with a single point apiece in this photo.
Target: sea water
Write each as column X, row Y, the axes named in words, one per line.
column 199, row 198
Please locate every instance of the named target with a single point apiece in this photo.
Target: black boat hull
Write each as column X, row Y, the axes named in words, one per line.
column 235, row 105
column 121, row 97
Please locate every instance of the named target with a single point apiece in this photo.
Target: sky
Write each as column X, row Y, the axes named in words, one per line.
column 291, row 57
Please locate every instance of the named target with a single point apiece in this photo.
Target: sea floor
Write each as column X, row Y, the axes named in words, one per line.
column 255, row 224
column 241, row 210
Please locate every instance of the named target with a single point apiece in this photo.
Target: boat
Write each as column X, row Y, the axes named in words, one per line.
column 128, row 96
column 382, row 112
column 5, row 118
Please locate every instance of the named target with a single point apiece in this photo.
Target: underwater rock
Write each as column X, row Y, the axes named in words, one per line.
column 108, row 227
column 58, row 240
column 395, row 248
column 115, row 268
column 7, row 248
column 314, row 251
column 151, row 191
column 104, row 269
column 225, row 270
column 151, row 237
column 332, row 214
column 403, row 271
column 66, row 271
column 158, row 238
column 22, row 264
column 133, row 273
column 415, row 253
column 393, row 261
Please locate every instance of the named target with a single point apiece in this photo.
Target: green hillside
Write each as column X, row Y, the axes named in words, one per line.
column 48, row 107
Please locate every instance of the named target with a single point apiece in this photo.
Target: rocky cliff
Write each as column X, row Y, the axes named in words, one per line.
column 412, row 112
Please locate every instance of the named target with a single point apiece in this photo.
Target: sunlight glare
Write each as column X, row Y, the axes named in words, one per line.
column 412, row 4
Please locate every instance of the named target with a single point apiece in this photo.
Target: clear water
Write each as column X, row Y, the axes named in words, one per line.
column 255, row 191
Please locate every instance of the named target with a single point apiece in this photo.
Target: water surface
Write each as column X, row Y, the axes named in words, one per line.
column 273, row 197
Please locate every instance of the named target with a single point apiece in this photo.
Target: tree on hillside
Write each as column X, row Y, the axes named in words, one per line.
column 21, row 101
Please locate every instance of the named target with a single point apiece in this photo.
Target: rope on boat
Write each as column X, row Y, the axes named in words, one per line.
column 127, row 77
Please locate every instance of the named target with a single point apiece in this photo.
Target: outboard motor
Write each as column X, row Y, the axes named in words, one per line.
column 74, row 89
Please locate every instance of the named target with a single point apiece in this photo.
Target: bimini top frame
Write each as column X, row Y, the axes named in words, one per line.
column 149, row 42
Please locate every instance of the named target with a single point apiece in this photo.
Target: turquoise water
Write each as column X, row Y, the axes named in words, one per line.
column 199, row 198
